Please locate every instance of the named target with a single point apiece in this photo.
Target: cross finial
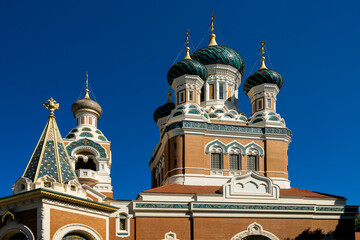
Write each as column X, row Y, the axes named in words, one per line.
column 262, row 51
column 212, row 23
column 212, row 41
column 52, row 105
column 187, row 49
column 87, row 86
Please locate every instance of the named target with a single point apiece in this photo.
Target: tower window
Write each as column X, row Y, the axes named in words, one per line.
column 191, row 96
column 216, row 160
column 211, row 91
column 175, row 145
column 221, row 91
column 252, row 163
column 202, row 95
column 268, row 103
column 175, row 162
column 234, row 162
column 253, row 107
column 259, row 104
column 181, row 97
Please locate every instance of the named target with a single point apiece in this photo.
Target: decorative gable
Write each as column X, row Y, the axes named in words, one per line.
column 251, row 185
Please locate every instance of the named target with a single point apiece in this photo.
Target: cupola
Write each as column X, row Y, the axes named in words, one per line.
column 164, row 110
column 86, row 111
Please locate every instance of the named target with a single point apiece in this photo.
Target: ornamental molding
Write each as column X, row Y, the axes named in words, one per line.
column 87, row 231
column 170, row 236
column 14, row 228
column 265, row 87
column 254, row 229
column 227, row 70
column 186, row 79
column 73, row 206
column 188, row 86
column 251, row 185
column 250, row 149
column 87, row 144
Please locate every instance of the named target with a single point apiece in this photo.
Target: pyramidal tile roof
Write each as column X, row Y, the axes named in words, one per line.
column 50, row 157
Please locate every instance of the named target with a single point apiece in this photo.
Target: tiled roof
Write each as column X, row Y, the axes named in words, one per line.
column 50, row 157
column 191, row 189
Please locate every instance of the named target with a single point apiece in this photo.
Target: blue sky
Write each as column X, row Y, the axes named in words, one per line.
column 128, row 46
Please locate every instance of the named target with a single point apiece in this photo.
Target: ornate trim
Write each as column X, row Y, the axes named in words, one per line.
column 170, row 235
column 255, row 146
column 161, row 205
column 86, row 143
column 16, row 228
column 89, row 232
column 213, row 143
column 254, row 229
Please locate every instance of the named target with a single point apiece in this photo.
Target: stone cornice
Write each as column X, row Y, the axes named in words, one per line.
column 44, row 193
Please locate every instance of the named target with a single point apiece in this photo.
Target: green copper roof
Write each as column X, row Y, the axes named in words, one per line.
column 220, row 55
column 263, row 76
column 163, row 111
column 187, row 66
column 50, row 157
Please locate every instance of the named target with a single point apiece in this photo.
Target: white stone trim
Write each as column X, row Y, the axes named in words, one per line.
column 254, row 229
column 16, row 228
column 77, row 228
column 170, row 236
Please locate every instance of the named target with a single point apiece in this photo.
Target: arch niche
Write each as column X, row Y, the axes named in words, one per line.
column 78, row 232
column 254, row 232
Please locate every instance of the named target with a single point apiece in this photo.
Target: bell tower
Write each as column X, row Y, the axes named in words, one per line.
column 88, row 148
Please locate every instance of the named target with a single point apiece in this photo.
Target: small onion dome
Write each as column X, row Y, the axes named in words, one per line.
column 86, row 104
column 263, row 76
column 220, row 55
column 187, row 66
column 163, row 111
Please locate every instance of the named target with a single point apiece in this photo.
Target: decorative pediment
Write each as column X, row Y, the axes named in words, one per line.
column 255, row 230
column 251, row 185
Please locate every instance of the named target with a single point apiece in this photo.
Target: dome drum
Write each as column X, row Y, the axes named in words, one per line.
column 86, row 105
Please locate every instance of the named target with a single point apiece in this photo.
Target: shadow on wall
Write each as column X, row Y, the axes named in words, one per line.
column 343, row 231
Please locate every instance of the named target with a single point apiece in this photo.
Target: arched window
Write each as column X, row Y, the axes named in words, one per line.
column 85, row 160
column 216, row 160
column 253, row 162
column 73, row 236
column 235, row 161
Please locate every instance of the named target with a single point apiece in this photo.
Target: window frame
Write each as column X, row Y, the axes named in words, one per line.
column 221, row 91
column 256, row 163
column 259, row 104
column 220, row 161
column 126, row 231
column 191, row 96
column 269, row 100
column 238, row 162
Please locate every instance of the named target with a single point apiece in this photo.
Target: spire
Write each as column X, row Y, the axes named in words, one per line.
column 169, row 95
column 50, row 157
column 212, row 41
column 187, row 49
column 262, row 51
column 87, row 86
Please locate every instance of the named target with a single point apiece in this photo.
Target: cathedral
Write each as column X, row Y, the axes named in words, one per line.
column 216, row 173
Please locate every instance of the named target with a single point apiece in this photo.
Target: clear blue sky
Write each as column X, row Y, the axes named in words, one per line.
column 128, row 46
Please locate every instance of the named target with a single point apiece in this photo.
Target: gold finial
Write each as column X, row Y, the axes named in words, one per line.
column 187, row 49
column 169, row 95
column 87, row 86
column 212, row 41
column 52, row 105
column 262, row 51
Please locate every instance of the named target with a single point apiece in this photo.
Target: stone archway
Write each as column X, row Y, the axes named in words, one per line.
column 16, row 231
column 254, row 232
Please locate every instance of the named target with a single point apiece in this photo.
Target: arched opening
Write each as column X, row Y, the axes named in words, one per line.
column 85, row 161
column 74, row 236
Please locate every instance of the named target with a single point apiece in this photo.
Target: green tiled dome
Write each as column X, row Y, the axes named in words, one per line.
column 187, row 66
column 263, row 76
column 163, row 111
column 220, row 55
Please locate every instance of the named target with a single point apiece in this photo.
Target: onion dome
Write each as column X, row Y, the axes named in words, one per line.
column 216, row 54
column 263, row 75
column 165, row 109
column 86, row 104
column 187, row 66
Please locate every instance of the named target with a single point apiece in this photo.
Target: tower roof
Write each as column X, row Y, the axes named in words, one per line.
column 50, row 157
column 86, row 104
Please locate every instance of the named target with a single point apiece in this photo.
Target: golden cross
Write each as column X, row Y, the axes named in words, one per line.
column 212, row 23
column 52, row 105
column 187, row 38
column 262, row 50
